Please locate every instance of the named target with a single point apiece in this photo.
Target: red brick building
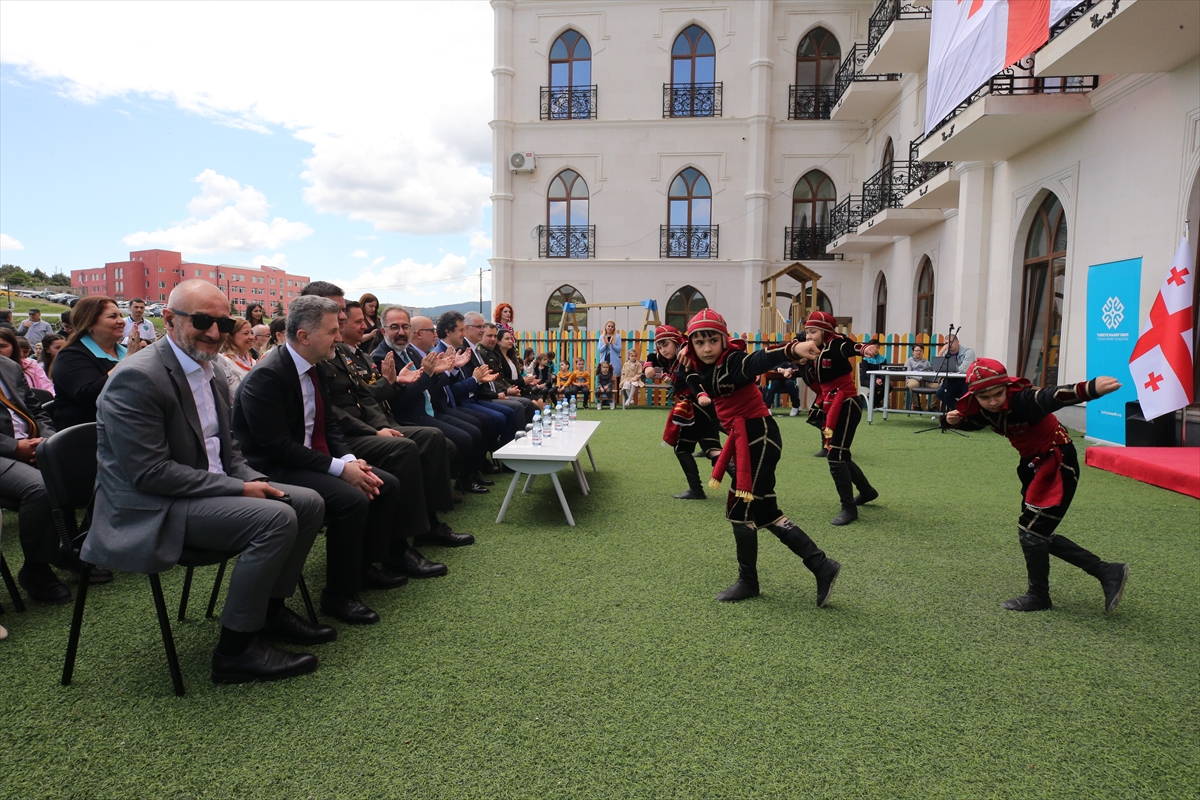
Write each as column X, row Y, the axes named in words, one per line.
column 152, row 274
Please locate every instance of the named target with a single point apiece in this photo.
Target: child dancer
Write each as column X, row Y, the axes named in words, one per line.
column 687, row 425
column 837, row 409
column 724, row 377
column 1049, row 470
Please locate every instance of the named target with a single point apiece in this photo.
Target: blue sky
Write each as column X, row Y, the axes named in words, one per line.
column 323, row 169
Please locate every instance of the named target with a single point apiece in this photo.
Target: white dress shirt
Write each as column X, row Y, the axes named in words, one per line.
column 309, row 392
column 199, row 377
column 145, row 330
column 20, row 426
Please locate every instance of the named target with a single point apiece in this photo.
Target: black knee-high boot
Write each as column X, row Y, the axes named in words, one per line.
column 691, row 470
column 1037, row 565
column 1112, row 576
column 840, row 471
column 866, row 492
column 825, row 569
column 746, row 539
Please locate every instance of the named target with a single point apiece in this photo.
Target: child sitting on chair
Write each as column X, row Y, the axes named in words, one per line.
column 604, row 386
column 631, row 377
column 581, row 382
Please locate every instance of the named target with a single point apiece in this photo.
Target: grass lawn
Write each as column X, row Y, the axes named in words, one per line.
column 593, row 662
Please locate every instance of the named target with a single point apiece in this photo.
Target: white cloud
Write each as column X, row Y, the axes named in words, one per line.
column 9, row 243
column 482, row 242
column 225, row 216
column 279, row 261
column 378, row 261
column 411, row 282
column 391, row 145
column 359, row 254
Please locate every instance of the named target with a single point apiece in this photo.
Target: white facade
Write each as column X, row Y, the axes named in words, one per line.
column 1123, row 159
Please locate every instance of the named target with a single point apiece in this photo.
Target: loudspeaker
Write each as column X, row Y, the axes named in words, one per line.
column 1140, row 432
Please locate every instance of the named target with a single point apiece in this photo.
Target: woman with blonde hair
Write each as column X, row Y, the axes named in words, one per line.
column 235, row 354
column 608, row 347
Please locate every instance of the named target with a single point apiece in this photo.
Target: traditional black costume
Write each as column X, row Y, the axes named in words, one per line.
column 754, row 445
column 1049, row 473
column 687, row 425
column 836, row 411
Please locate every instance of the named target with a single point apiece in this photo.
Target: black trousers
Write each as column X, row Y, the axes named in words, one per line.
column 21, row 485
column 766, row 446
column 490, row 432
column 402, row 458
column 437, row 457
column 358, row 530
column 1042, row 522
column 704, row 431
column 843, row 433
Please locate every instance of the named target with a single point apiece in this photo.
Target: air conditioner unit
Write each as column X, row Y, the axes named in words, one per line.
column 520, row 162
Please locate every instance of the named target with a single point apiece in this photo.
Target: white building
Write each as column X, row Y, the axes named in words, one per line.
column 706, row 145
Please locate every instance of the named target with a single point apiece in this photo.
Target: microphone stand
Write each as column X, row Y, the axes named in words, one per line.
column 943, row 373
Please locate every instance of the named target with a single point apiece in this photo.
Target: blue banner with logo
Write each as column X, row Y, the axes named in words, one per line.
column 1113, row 298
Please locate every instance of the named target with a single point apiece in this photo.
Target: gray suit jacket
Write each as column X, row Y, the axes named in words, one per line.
column 151, row 458
column 20, row 395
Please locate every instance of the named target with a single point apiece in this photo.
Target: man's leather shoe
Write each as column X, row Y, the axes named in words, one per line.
column 382, row 579
column 443, row 536
column 288, row 626
column 42, row 584
column 492, row 469
column 347, row 608
column 68, row 562
column 262, row 661
column 415, row 565
column 456, row 497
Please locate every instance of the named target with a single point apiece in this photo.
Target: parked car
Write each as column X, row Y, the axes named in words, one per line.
column 154, row 310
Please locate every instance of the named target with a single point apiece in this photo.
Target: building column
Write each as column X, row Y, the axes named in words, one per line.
column 758, row 151
column 972, row 250
column 502, row 127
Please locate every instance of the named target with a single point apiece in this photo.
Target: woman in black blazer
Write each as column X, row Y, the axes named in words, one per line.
column 81, row 368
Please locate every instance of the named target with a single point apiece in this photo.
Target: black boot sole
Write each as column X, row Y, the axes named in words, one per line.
column 866, row 497
column 222, row 678
column 691, row 494
column 843, row 519
column 1111, row 603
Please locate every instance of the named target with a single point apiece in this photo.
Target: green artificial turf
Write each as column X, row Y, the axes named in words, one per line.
column 593, row 662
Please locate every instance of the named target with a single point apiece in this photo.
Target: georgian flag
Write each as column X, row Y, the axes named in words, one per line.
column 1161, row 364
column 972, row 40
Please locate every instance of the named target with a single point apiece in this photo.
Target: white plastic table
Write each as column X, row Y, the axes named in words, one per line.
column 560, row 450
column 888, row 376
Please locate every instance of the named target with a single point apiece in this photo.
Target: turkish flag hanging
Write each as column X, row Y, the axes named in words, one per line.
column 1161, row 364
column 972, row 40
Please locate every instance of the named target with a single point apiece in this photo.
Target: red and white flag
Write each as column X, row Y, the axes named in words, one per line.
column 972, row 40
column 1161, row 364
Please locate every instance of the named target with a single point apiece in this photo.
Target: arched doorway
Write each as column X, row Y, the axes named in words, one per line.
column 881, row 304
column 1045, row 269
column 554, row 305
column 924, row 315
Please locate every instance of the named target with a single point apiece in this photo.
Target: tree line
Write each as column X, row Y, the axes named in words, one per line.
column 13, row 275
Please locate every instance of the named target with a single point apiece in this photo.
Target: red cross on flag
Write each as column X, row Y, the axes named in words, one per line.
column 972, row 40
column 1161, row 364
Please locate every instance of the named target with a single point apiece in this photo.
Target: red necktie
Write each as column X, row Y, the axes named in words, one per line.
column 318, row 433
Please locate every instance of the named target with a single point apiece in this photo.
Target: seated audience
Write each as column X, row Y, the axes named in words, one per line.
column 604, row 385
column 82, row 367
column 64, row 324
column 236, row 354
column 512, row 372
column 262, row 337
column 873, row 363
column 783, row 382
column 50, row 347
column 504, row 385
column 277, row 333
column 34, row 374
column 955, row 386
column 631, row 377
column 543, row 370
column 577, row 383
column 159, row 488
column 917, row 363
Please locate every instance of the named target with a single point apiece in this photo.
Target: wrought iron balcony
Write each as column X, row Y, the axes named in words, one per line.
column 846, row 216
column 810, row 102
column 885, row 189
column 566, row 241
column 800, row 244
column 568, row 102
column 887, row 12
column 692, row 99
column 850, row 71
column 921, row 171
column 687, row 241
column 1073, row 16
column 1018, row 80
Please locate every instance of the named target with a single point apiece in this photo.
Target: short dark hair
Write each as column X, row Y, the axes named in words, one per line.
column 352, row 304
column 65, row 317
column 322, row 289
column 35, row 311
column 448, row 322
column 137, row 300
column 6, row 315
column 491, row 325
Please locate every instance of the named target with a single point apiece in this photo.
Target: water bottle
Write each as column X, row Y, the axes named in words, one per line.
column 574, row 410
column 547, row 423
column 536, row 433
column 558, row 413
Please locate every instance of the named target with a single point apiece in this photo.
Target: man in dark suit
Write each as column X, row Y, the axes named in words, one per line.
column 284, row 421
column 475, row 332
column 169, row 474
column 423, row 402
column 23, row 425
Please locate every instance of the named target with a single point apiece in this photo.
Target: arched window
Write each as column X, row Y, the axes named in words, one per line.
column 689, row 216
column 817, row 58
column 567, row 231
column 823, row 303
column 554, row 306
column 683, row 305
column 570, row 78
column 925, row 297
column 881, row 305
column 1042, row 294
column 812, row 200
column 693, row 91
column 886, row 163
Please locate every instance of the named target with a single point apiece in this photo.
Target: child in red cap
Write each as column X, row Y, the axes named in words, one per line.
column 722, row 375
column 687, row 426
column 1049, row 470
column 837, row 408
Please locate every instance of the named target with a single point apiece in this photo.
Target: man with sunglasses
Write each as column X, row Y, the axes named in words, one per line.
column 170, row 475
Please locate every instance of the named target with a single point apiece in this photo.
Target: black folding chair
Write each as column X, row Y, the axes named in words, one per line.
column 11, row 585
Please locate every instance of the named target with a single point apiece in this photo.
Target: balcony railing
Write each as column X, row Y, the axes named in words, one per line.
column 568, row 102
column 692, row 99
column 921, row 171
column 687, row 241
column 851, row 71
column 1018, row 80
column 1073, row 16
column 566, row 241
column 885, row 189
column 846, row 216
column 801, row 244
column 810, row 102
column 887, row 12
